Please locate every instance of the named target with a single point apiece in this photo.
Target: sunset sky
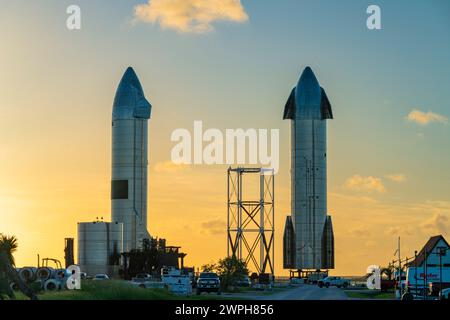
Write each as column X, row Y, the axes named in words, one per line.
column 231, row 66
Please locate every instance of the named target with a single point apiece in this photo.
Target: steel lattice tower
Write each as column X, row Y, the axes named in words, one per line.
column 251, row 222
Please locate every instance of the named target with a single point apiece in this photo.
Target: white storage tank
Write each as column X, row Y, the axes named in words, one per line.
column 99, row 246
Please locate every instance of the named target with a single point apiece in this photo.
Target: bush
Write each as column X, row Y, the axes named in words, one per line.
column 36, row 286
column 231, row 270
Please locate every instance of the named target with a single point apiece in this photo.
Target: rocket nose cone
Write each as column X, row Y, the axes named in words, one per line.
column 129, row 73
column 130, row 69
column 130, row 101
column 308, row 95
column 308, row 72
column 308, row 88
column 130, row 79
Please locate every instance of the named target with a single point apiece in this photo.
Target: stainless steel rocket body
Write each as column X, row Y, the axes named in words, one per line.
column 131, row 113
column 308, row 235
column 309, row 189
column 129, row 168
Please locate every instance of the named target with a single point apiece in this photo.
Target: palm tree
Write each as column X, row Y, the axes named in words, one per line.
column 9, row 245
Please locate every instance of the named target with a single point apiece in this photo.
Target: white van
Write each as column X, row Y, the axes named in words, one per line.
column 416, row 283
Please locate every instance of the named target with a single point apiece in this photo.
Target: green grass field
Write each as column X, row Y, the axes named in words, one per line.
column 114, row 290
column 370, row 294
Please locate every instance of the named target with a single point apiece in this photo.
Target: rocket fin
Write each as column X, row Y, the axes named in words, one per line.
column 289, row 109
column 289, row 244
column 308, row 100
column 325, row 106
column 328, row 245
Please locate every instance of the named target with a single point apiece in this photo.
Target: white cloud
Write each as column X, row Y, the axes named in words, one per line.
column 400, row 231
column 359, row 232
column 194, row 16
column 214, row 227
column 424, row 118
column 359, row 183
column 396, row 177
column 439, row 222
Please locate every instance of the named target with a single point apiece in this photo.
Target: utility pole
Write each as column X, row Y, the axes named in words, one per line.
column 415, row 271
column 399, row 268
column 425, row 281
column 441, row 251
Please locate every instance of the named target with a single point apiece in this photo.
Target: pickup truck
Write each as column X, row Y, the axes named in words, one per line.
column 333, row 281
column 208, row 282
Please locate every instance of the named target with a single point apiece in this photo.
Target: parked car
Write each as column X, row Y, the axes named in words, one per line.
column 386, row 284
column 445, row 294
column 208, row 282
column 142, row 277
column 295, row 281
column 435, row 288
column 333, row 281
column 101, row 277
column 313, row 278
column 244, row 282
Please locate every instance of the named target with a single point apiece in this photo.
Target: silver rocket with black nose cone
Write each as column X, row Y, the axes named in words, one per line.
column 131, row 112
column 308, row 237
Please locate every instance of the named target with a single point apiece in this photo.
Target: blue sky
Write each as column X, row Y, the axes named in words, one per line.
column 374, row 78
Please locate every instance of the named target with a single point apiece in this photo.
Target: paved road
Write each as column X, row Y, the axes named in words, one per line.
column 308, row 292
column 301, row 292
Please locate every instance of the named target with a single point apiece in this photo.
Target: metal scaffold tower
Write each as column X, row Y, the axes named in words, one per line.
column 251, row 221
